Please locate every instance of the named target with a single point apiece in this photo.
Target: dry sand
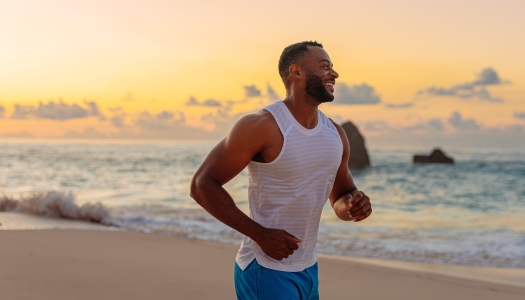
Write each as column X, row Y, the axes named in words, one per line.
column 95, row 264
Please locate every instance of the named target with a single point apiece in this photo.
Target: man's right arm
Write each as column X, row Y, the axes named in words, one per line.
column 247, row 138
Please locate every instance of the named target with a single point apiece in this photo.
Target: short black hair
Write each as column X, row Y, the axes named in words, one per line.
column 292, row 54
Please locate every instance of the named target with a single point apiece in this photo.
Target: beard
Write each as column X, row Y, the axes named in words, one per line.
column 316, row 89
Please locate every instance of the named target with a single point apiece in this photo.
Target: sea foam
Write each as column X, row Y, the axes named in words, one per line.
column 56, row 204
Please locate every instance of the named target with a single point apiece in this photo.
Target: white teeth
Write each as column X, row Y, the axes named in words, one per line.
column 329, row 83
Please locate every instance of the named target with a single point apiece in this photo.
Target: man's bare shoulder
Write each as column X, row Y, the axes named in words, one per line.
column 338, row 127
column 254, row 134
column 260, row 123
column 342, row 134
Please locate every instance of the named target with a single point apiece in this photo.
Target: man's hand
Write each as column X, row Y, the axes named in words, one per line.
column 358, row 206
column 277, row 243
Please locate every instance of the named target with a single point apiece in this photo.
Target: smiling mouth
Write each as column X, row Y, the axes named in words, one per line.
column 330, row 84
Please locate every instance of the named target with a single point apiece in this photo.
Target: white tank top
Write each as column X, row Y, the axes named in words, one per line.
column 289, row 193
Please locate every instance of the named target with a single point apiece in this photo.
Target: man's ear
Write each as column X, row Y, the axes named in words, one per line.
column 295, row 71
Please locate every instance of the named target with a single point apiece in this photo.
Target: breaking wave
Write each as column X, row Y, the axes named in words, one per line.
column 56, row 204
column 501, row 247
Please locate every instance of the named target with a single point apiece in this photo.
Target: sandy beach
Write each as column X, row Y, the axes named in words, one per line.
column 112, row 264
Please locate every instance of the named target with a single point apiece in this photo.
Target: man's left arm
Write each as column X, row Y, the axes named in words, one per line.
column 348, row 202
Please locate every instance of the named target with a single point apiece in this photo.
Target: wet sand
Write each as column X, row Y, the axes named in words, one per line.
column 101, row 264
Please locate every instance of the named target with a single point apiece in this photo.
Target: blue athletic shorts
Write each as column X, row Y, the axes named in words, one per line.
column 259, row 283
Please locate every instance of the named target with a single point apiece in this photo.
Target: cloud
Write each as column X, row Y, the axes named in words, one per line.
column 253, row 97
column 209, row 103
column 487, row 77
column 431, row 125
column 2, row 112
column 272, row 94
column 253, row 101
column 165, row 120
column 436, row 132
column 473, row 89
column 509, row 137
column 435, row 124
column 117, row 121
column 129, row 97
column 515, row 128
column 519, row 115
column 116, row 109
column 376, row 126
column 94, row 110
column 355, row 94
column 457, row 121
column 399, row 106
column 163, row 125
column 57, row 111
column 222, row 115
column 119, row 117
column 216, row 121
column 21, row 134
column 88, row 133
column 251, row 91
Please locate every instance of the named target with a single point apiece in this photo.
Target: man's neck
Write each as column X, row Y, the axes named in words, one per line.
column 304, row 109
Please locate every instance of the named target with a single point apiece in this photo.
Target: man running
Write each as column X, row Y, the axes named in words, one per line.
column 296, row 158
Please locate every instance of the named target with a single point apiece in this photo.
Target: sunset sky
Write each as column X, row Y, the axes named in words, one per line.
column 410, row 71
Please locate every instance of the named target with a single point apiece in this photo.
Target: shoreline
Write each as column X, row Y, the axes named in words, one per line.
column 15, row 221
column 20, row 224
column 118, row 264
column 12, row 221
column 507, row 276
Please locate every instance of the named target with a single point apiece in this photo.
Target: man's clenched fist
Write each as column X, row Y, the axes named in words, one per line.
column 277, row 243
column 358, row 206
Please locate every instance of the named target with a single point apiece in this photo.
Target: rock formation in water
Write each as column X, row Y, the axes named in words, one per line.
column 436, row 157
column 358, row 155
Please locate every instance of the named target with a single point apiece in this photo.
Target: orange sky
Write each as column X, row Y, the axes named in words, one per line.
column 134, row 60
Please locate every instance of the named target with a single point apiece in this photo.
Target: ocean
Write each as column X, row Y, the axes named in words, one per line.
column 469, row 213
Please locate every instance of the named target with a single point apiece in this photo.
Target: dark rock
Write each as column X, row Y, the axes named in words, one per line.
column 436, row 157
column 358, row 155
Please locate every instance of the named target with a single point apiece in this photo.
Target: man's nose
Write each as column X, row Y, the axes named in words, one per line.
column 334, row 73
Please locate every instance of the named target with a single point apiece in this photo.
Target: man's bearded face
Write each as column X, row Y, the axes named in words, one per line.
column 316, row 88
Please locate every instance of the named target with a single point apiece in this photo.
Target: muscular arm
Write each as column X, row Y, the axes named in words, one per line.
column 248, row 138
column 223, row 163
column 347, row 201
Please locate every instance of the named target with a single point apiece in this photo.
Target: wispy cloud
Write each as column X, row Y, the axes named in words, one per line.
column 251, row 91
column 165, row 120
column 221, row 115
column 272, row 94
column 117, row 121
column 376, row 126
column 218, row 119
column 473, row 89
column 519, row 115
column 209, row 103
column 21, row 134
column 59, row 111
column 118, row 118
column 457, row 121
column 430, row 126
column 399, row 105
column 253, row 101
column 87, row 133
column 433, row 133
column 355, row 94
